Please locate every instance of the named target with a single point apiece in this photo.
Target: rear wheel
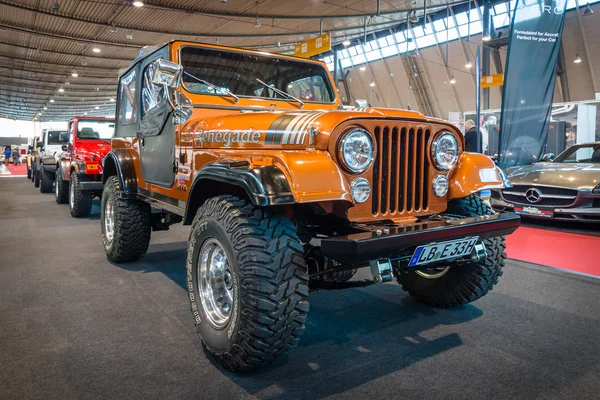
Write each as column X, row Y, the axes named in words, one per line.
column 46, row 180
column 36, row 177
column 28, row 172
column 449, row 286
column 80, row 201
column 247, row 282
column 125, row 224
column 61, row 189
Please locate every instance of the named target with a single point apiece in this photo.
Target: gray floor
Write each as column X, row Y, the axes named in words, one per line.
column 74, row 326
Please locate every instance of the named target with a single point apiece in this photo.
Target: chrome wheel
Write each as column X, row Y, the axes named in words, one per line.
column 215, row 283
column 109, row 220
column 432, row 273
column 72, row 193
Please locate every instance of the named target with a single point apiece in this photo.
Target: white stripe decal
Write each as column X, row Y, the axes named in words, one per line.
column 290, row 132
column 286, row 133
column 302, row 130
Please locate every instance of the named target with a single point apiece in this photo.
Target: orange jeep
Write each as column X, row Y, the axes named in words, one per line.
column 286, row 190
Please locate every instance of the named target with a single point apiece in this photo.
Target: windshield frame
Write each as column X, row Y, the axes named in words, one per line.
column 105, row 120
column 562, row 156
column 328, row 82
column 58, row 142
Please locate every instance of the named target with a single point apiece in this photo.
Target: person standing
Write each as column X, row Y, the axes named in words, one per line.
column 471, row 136
column 16, row 154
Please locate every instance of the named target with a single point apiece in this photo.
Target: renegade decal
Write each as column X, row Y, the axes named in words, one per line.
column 227, row 137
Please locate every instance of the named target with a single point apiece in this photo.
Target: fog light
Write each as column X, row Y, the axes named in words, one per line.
column 361, row 190
column 440, row 185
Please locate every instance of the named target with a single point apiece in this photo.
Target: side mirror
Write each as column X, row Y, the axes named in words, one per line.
column 361, row 103
column 166, row 73
column 548, row 157
column 65, row 147
column 63, row 137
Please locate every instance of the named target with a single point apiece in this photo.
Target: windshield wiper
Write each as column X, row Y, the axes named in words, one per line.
column 213, row 86
column 281, row 92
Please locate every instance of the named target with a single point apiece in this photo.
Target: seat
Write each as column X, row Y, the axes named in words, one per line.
column 88, row 133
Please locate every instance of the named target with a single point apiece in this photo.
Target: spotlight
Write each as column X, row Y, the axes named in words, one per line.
column 414, row 19
column 468, row 64
column 96, row 50
column 452, row 80
column 278, row 44
column 346, row 42
column 74, row 74
column 51, row 100
column 137, row 4
column 372, row 84
column 97, row 108
column 256, row 22
column 363, row 67
column 588, row 10
column 577, row 59
column 486, row 37
column 45, row 108
column 61, row 90
column 112, row 100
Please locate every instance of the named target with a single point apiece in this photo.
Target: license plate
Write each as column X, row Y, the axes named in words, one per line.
column 442, row 251
column 539, row 212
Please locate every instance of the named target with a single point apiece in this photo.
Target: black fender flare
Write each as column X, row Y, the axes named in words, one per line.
column 119, row 162
column 48, row 163
column 265, row 185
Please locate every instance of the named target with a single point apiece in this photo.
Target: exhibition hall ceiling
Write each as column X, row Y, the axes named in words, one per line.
column 60, row 58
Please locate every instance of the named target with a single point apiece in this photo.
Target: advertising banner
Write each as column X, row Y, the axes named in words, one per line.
column 529, row 80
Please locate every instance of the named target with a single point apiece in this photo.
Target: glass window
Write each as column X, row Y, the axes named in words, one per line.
column 501, row 20
column 357, row 49
column 426, row 41
column 373, row 55
column 450, row 22
column 54, row 137
column 373, row 44
column 461, row 18
column 439, row 25
column 344, row 53
column 389, row 51
column 452, row 34
column 464, row 30
column 382, row 42
column 473, row 15
column 359, row 59
column 89, row 129
column 586, row 153
column 238, row 71
column 400, row 37
column 127, row 112
column 476, row 27
column 352, row 51
column 346, row 63
column 442, row 36
column 418, row 31
column 500, row 8
column 152, row 95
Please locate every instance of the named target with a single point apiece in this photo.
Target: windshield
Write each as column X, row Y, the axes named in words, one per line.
column 587, row 153
column 89, row 129
column 53, row 137
column 238, row 72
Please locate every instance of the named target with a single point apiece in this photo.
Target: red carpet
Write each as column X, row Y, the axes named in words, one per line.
column 573, row 252
column 20, row 169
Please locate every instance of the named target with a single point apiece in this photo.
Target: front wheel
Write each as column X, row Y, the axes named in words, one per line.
column 449, row 286
column 46, row 181
column 247, row 282
column 61, row 189
column 36, row 178
column 125, row 224
column 80, row 201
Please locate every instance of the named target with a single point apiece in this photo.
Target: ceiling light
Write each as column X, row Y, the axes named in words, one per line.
column 486, row 37
column 96, row 50
column 129, row 37
column 45, row 108
column 290, row 86
column 137, row 4
column 55, row 6
column 452, row 80
column 61, row 90
column 577, row 59
column 97, row 108
column 113, row 100
column 468, row 64
column 588, row 10
column 84, row 113
column 278, row 44
column 346, row 42
column 256, row 23
column 363, row 67
column 113, row 28
column 414, row 19
column 372, row 84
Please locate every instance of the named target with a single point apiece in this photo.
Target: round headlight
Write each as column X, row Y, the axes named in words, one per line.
column 356, row 151
column 440, row 185
column 445, row 151
column 361, row 190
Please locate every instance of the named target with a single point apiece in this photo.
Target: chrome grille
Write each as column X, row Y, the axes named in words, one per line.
column 401, row 171
column 548, row 196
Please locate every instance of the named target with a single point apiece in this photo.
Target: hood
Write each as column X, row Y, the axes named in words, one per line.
column 295, row 129
column 576, row 176
column 90, row 148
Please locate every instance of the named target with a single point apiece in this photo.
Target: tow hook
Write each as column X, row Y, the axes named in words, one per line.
column 478, row 254
column 381, row 270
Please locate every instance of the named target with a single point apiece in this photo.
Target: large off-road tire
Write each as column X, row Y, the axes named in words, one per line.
column 46, row 180
column 254, row 307
column 125, row 224
column 36, row 177
column 80, row 201
column 61, row 189
column 459, row 284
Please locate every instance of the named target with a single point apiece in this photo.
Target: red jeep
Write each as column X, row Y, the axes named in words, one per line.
column 79, row 167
